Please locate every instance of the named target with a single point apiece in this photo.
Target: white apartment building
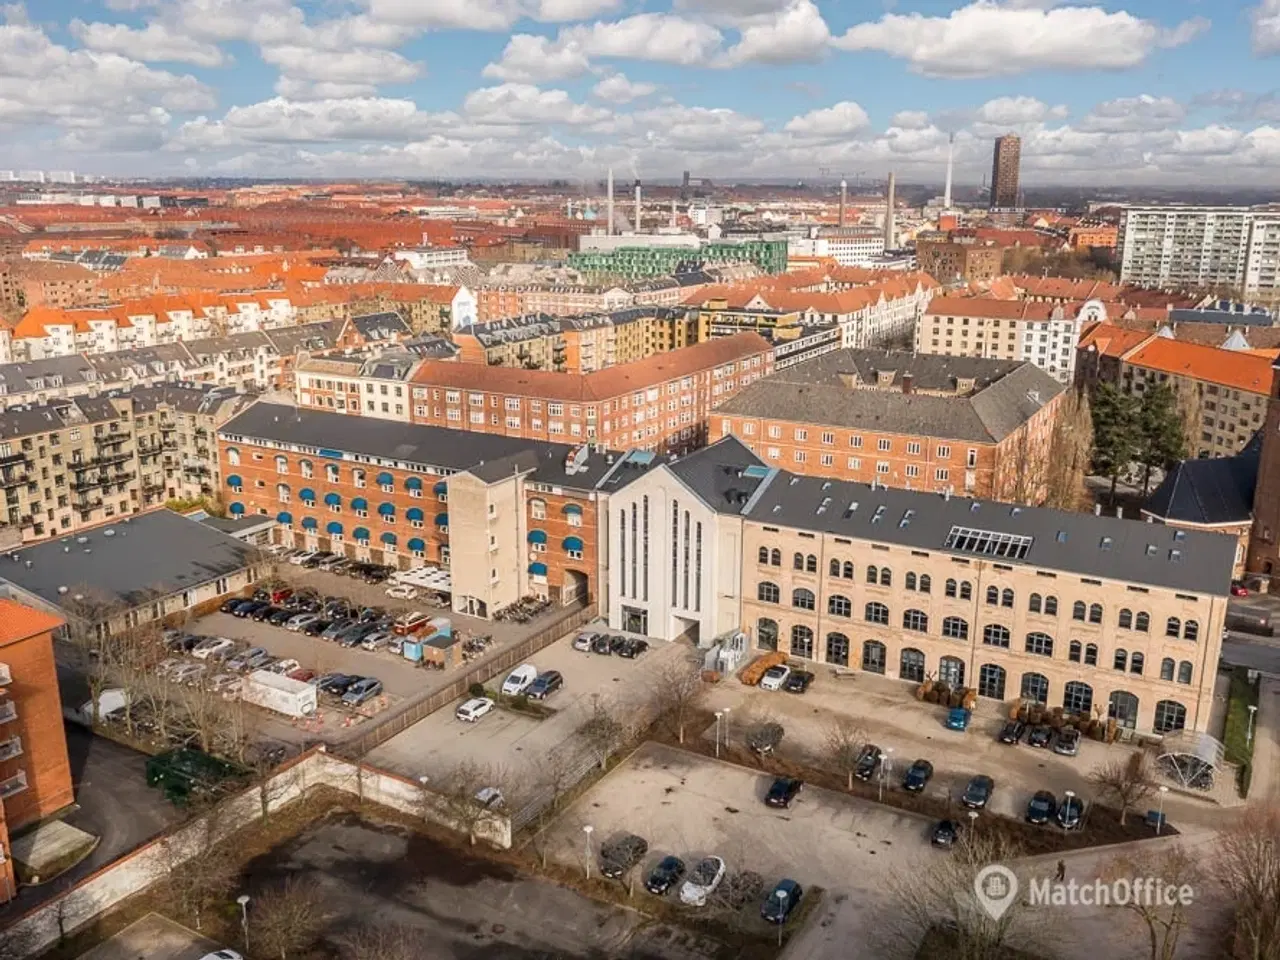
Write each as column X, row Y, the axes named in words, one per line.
column 848, row 246
column 433, row 258
column 1177, row 246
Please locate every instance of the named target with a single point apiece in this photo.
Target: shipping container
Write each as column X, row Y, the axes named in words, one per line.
column 293, row 698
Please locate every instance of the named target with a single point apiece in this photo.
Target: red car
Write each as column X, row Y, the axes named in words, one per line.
column 301, row 674
column 1238, row 589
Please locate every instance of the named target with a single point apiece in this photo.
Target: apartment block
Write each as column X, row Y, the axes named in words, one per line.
column 950, row 261
column 1177, row 246
column 1006, row 162
column 660, row 403
column 35, row 773
column 1101, row 616
column 636, row 257
column 902, row 420
column 359, row 384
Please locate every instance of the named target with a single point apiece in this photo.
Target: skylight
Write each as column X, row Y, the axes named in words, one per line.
column 988, row 542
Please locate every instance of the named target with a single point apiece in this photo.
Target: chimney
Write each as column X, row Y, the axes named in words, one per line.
column 946, row 190
column 844, row 199
column 906, row 383
column 608, row 222
column 673, row 213
column 889, row 230
column 637, row 206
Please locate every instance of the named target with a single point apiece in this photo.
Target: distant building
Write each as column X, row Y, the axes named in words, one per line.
column 1184, row 246
column 949, row 261
column 1006, row 160
column 638, row 256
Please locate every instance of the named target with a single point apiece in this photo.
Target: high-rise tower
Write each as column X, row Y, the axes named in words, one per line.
column 946, row 190
column 1005, row 162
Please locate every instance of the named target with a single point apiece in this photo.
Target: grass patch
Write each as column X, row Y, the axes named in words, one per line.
column 536, row 709
column 939, row 943
column 1235, row 732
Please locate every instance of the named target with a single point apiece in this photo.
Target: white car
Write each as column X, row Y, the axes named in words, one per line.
column 166, row 667
column 282, row 667
column 402, row 592
column 775, row 677
column 225, row 683
column 519, row 679
column 474, row 709
column 298, row 559
column 490, row 798
column 702, row 882
column 188, row 673
column 222, row 955
column 582, row 642
column 215, row 648
column 294, row 624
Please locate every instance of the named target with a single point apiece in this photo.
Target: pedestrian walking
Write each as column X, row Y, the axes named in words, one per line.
column 1062, row 871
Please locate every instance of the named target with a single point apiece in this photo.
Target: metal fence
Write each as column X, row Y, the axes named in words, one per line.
column 543, row 799
column 399, row 722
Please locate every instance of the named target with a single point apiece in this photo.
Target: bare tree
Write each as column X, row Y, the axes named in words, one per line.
column 764, row 735
column 455, row 795
column 678, row 689
column 1069, row 450
column 844, row 741
column 1247, row 863
column 1166, row 918
column 202, row 880
column 376, row 942
column 1127, row 782
column 287, row 918
column 602, row 732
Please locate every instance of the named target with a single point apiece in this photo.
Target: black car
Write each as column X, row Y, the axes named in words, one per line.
column 246, row 610
column 918, row 776
column 1071, row 813
column 312, row 562
column 229, row 606
column 868, row 762
column 668, row 872
column 545, row 684
column 978, row 792
column 1040, row 736
column 1067, row 743
column 377, row 575
column 1041, row 808
column 337, row 683
column 784, row 898
column 263, row 613
column 797, row 681
column 1012, row 731
column 620, row 855
column 946, row 833
column 317, row 627
column 782, row 791
column 602, row 643
column 632, row 648
column 283, row 616
column 354, row 635
column 617, row 642
column 370, row 614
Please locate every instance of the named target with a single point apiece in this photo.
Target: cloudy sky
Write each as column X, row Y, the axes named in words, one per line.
column 1123, row 91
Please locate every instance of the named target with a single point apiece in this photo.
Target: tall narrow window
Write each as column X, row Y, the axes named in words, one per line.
column 622, row 550
column 686, row 560
column 675, row 550
column 635, row 586
column 697, row 567
column 645, row 543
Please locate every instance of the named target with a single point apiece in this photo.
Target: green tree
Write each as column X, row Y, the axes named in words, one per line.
column 1161, row 438
column 1115, row 432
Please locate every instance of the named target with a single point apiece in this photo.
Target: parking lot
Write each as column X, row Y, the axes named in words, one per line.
column 690, row 806
column 155, row 938
column 515, row 743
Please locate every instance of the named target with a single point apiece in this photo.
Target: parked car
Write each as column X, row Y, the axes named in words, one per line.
column 1042, row 808
column 917, row 776
column 316, row 628
column 362, row 691
column 376, row 640
column 402, row 591
column 602, row 643
column 207, row 648
column 869, row 760
column 168, row 665
column 353, row 635
column 336, row 684
column 283, row 667
column 302, row 675
column 783, row 791
column 250, row 659
column 331, row 561
column 474, row 709
column 945, row 833
column 300, row 620
column 229, row 606
column 264, row 613
column 958, row 719
column 783, row 899
column 183, row 642
column 282, row 616
column 620, row 855
column 775, row 677
column 335, row 629
column 224, row 682
column 633, row 648
column 978, row 792
column 188, row 673
column 1067, row 742
column 279, row 593
column 702, row 882
column 1238, row 589
column 544, row 685
column 300, row 559
column 668, row 872
column 798, row 682
column 1040, row 736
column 245, row 610
column 519, row 679
column 1012, row 731
column 1071, row 812
column 582, row 642
column 411, row 623
column 314, row 561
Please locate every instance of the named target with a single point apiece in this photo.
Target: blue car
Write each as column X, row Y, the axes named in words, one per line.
column 958, row 719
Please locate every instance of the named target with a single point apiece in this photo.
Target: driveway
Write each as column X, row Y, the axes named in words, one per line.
column 155, row 938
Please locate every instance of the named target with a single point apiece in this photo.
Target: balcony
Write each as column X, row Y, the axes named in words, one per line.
column 11, row 458
column 6, row 676
column 110, row 439
column 9, row 480
column 10, row 748
column 8, row 711
column 196, row 469
column 14, row 785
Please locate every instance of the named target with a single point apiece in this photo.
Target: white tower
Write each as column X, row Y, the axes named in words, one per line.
column 608, row 222
column 946, row 190
column 844, row 199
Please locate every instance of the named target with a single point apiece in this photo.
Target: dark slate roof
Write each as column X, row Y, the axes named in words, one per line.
column 147, row 555
column 159, row 359
column 1209, row 492
column 27, row 419
column 381, row 326
column 719, row 476
column 430, row 348
column 16, row 377
column 183, row 397
column 305, row 336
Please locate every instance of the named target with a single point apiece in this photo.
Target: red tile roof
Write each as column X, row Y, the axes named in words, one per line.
column 1240, row 370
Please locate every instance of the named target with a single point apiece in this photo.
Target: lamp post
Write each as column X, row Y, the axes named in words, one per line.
column 719, row 714
column 243, row 900
column 886, row 765
column 726, row 729
column 1066, row 800
column 1248, row 737
column 1160, row 809
column 588, row 830
column 782, row 913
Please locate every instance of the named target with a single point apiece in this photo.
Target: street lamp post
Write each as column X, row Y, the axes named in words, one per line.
column 1066, row 799
column 719, row 714
column 587, row 830
column 726, row 729
column 1248, row 737
column 1160, row 810
column 243, row 900
column 886, row 766
column 782, row 910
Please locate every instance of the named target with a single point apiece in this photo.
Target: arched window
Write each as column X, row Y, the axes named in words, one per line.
column 955, row 628
column 1006, row 598
column 767, row 634
column 306, row 468
column 331, row 472
column 995, row 635
column 282, row 464
column 1142, row 622
column 1091, row 655
column 282, row 492
column 811, row 564
column 846, row 571
column 1051, row 606
column 873, row 575
column 886, row 577
column 833, row 568
column 233, row 456
column 775, row 557
column 764, row 555
column 1126, row 619
column 993, row 596
column 1078, row 611
column 1121, row 660
column 1173, row 628
column 1184, row 671
column 1073, row 651
column 909, row 581
column 911, row 665
column 877, row 613
column 966, row 590
column 839, row 606
column 1167, row 666
column 797, row 561
column 767, row 592
column 949, row 589
column 991, row 681
column 1041, row 644
column 1095, row 613
column 1170, row 716
column 838, row 649
column 951, row 671
column 1034, row 603
column 1077, row 697
column 1191, row 630
column 802, row 642
column 916, row 620
column 873, row 656
column 1136, row 663
column 1035, row 686
column 1122, row 707
column 803, row 599
column 359, row 478
column 926, row 583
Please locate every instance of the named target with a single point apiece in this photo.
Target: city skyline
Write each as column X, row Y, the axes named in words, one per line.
column 1108, row 94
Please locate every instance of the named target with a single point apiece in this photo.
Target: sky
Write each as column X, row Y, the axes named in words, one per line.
column 1112, row 93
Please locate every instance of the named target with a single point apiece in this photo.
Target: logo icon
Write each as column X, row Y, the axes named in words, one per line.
column 996, row 887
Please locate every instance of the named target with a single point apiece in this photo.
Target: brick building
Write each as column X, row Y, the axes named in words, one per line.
column 35, row 774
column 1264, row 545
column 949, row 261
column 902, row 420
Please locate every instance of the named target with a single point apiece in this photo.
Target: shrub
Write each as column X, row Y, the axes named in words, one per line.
column 476, row 690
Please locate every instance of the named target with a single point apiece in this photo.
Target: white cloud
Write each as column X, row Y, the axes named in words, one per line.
column 535, row 59
column 356, row 70
column 485, row 14
column 522, row 103
column 676, row 127
column 1143, row 112
column 830, row 123
column 284, row 121
column 795, row 34
column 617, row 88
column 1012, row 111
column 1266, row 27
column 154, row 43
column 985, row 39
column 910, row 119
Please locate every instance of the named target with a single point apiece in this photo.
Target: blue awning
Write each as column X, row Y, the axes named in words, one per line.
column 414, row 515
column 572, row 508
column 386, row 480
column 359, row 503
column 389, row 538
column 334, row 527
column 537, row 536
column 413, row 483
column 417, row 545
column 306, row 493
column 386, row 509
column 309, row 523
column 538, row 569
column 440, row 487
column 442, row 519
column 233, row 480
column 333, row 500
column 572, row 543
column 360, row 533
column 237, row 509
column 284, row 516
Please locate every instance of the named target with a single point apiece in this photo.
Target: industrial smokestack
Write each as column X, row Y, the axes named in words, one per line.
column 888, row 214
column 946, row 190
column 637, row 206
column 608, row 223
column 844, row 199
